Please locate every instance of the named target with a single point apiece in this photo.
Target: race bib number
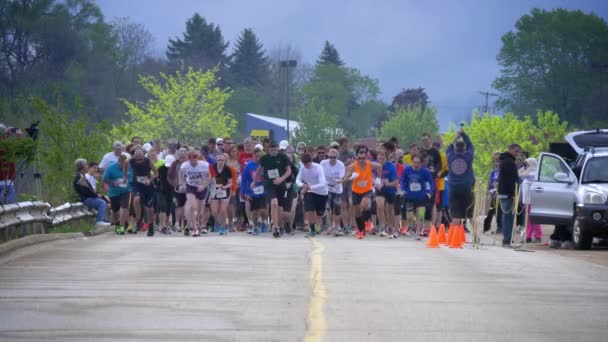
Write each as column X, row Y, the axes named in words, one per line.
column 258, row 190
column 415, row 187
column 141, row 179
column 221, row 193
column 362, row 184
column 272, row 174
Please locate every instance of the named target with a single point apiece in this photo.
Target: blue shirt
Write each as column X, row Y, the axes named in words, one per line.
column 460, row 165
column 417, row 185
column 247, row 178
column 389, row 173
column 113, row 173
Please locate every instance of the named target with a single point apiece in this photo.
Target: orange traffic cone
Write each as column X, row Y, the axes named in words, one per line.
column 450, row 235
column 432, row 241
column 457, row 240
column 463, row 235
column 441, row 235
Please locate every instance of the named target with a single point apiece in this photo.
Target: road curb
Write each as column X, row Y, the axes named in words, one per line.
column 31, row 240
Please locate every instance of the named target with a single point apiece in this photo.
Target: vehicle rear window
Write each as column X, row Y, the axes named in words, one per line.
column 592, row 139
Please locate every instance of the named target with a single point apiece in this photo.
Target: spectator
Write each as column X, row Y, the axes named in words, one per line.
column 528, row 174
column 507, row 182
column 87, row 195
column 494, row 208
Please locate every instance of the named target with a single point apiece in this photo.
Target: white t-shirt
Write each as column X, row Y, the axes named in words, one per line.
column 314, row 177
column 110, row 158
column 196, row 175
column 332, row 174
column 91, row 179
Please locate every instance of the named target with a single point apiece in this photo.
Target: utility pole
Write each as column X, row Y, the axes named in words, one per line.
column 287, row 65
column 487, row 94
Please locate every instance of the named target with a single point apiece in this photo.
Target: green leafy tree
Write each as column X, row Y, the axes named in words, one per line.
column 362, row 121
column 555, row 60
column 64, row 139
column 202, row 46
column 249, row 65
column 317, row 126
column 245, row 100
column 188, row 106
column 330, row 56
column 491, row 133
column 408, row 123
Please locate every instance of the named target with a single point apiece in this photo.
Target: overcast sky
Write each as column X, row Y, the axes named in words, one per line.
column 447, row 47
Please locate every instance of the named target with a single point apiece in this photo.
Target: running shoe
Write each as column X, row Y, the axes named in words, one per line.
column 196, row 233
column 359, row 235
column 187, row 232
column 143, row 226
column 263, row 228
column 255, row 231
column 164, row 230
column 203, row 231
column 151, row 231
column 117, row 229
column 339, row 232
column 131, row 230
column 383, row 233
column 276, row 232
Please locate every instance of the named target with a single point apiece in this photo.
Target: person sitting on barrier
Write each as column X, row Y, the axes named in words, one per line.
column 87, row 194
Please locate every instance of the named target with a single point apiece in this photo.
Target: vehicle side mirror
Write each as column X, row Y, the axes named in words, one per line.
column 562, row 177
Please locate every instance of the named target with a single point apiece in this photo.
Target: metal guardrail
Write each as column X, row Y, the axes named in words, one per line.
column 27, row 218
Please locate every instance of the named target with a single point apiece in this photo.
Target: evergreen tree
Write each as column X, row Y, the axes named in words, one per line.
column 330, row 55
column 250, row 66
column 202, row 47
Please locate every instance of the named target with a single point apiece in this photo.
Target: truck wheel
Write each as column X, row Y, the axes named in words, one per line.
column 582, row 237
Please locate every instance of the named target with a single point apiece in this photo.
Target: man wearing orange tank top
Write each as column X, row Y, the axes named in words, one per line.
column 361, row 173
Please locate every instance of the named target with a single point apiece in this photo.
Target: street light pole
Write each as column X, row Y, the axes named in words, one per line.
column 287, row 65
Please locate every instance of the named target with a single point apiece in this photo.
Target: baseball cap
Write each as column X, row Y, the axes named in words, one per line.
column 147, row 147
column 283, row 145
column 219, row 140
column 117, row 144
column 259, row 147
column 334, row 144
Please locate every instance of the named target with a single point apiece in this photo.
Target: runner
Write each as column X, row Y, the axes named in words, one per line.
column 252, row 189
column 400, row 210
column 197, row 177
column 145, row 173
column 386, row 193
column 221, row 198
column 111, row 157
column 275, row 168
column 347, row 157
column 334, row 170
column 291, row 194
column 119, row 193
column 361, row 173
column 179, row 195
column 417, row 184
column 158, row 197
column 311, row 180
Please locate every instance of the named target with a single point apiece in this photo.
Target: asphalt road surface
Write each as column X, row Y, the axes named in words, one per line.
column 244, row 288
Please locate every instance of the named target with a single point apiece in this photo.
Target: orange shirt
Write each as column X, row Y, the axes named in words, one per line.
column 363, row 183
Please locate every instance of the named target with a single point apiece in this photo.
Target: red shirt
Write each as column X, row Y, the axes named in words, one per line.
column 244, row 157
column 7, row 170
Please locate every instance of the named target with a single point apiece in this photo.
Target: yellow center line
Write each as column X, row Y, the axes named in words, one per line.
column 316, row 319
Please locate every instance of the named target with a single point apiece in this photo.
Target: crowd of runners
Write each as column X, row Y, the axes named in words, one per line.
column 264, row 186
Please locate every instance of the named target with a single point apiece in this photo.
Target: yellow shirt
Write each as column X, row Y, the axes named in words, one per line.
column 440, row 182
column 407, row 159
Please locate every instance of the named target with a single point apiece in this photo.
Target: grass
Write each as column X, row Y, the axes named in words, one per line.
column 76, row 227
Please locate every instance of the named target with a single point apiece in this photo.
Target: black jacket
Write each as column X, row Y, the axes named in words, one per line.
column 507, row 177
column 82, row 187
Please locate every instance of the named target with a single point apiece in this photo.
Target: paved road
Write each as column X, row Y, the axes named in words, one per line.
column 243, row 288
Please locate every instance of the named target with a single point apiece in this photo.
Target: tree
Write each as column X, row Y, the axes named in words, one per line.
column 202, row 46
column 490, row 133
column 555, row 60
column 330, row 56
column 317, row 126
column 408, row 123
column 188, row 106
column 411, row 97
column 245, row 100
column 249, row 65
column 134, row 42
column 362, row 122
